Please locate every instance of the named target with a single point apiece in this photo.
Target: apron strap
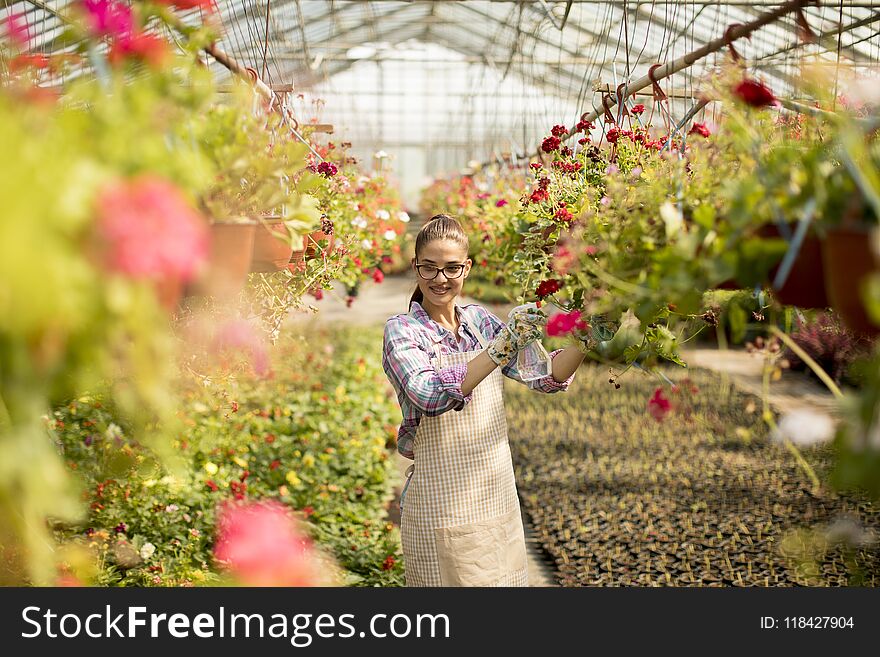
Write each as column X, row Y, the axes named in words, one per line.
column 476, row 331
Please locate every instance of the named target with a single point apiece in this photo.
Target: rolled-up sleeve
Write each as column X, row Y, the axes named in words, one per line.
column 408, row 365
column 546, row 384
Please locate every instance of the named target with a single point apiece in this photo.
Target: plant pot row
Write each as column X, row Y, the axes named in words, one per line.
column 237, row 249
column 829, row 272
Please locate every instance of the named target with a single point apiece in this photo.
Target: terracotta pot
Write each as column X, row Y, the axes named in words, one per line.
column 848, row 263
column 229, row 260
column 272, row 247
column 169, row 292
column 805, row 285
column 311, row 250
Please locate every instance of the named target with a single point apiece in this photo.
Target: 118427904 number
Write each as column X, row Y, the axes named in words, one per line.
column 818, row 622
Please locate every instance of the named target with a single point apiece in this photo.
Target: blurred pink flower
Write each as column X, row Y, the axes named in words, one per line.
column 109, row 18
column 150, row 230
column 564, row 323
column 237, row 336
column 659, row 406
column 17, row 30
column 500, row 203
column 261, row 544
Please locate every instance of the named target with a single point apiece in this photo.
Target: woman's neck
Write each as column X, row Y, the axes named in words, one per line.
column 444, row 315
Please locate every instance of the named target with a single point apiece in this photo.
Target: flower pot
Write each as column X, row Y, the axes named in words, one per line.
column 169, row 292
column 848, row 263
column 229, row 260
column 309, row 243
column 272, row 249
column 805, row 285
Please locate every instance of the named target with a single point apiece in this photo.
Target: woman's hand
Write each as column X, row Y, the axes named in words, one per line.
column 525, row 325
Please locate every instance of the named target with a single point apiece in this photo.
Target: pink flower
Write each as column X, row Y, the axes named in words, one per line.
column 147, row 48
column 563, row 260
column 109, row 18
column 699, row 129
column 638, row 109
column 150, row 230
column 237, row 336
column 261, row 544
column 378, row 276
column 17, row 30
column 658, row 406
column 501, row 203
column 564, row 323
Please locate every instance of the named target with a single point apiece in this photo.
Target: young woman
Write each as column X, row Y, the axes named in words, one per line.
column 460, row 515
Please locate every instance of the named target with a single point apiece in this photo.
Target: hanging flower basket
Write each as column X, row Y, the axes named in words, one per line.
column 272, row 250
column 229, row 260
column 805, row 284
column 311, row 240
column 848, row 263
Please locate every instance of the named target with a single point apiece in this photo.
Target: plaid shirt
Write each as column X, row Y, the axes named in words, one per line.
column 422, row 390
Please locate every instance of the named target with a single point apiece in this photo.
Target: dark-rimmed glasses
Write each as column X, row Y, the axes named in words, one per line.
column 429, row 272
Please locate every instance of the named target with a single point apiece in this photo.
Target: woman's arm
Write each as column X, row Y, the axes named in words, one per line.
column 566, row 362
column 477, row 370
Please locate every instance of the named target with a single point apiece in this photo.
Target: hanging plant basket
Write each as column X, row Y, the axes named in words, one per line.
column 848, row 263
column 309, row 243
column 229, row 260
column 272, row 250
column 805, row 285
column 169, row 292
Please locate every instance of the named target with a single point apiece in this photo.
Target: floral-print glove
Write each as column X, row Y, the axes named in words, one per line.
column 525, row 325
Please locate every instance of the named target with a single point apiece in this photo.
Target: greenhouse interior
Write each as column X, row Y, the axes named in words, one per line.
column 652, row 357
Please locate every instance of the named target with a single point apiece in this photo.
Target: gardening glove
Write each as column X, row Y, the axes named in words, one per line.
column 525, row 325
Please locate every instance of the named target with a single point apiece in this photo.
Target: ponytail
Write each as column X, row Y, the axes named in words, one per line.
column 438, row 227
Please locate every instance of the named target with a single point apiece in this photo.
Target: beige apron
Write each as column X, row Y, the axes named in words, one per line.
column 460, row 517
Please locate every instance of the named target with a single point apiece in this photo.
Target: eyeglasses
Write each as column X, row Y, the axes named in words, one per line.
column 429, row 272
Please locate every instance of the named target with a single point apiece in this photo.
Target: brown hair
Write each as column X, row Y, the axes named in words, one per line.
column 438, row 227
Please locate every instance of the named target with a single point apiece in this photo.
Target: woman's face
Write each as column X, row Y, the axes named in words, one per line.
column 442, row 253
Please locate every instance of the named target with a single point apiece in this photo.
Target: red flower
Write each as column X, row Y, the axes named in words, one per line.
column 562, row 214
column 538, row 195
column 501, row 203
column 584, row 126
column 754, row 93
column 274, row 465
column 658, row 406
column 535, row 166
column 548, row 287
column 318, row 293
column 308, row 510
column 613, row 135
column 327, row 169
column 564, row 323
column 550, row 144
column 700, row 129
column 147, row 48
column 388, row 564
column 183, row 5
column 559, row 131
column 638, row 109
column 150, row 230
column 583, row 140
column 378, row 276
column 120, row 528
